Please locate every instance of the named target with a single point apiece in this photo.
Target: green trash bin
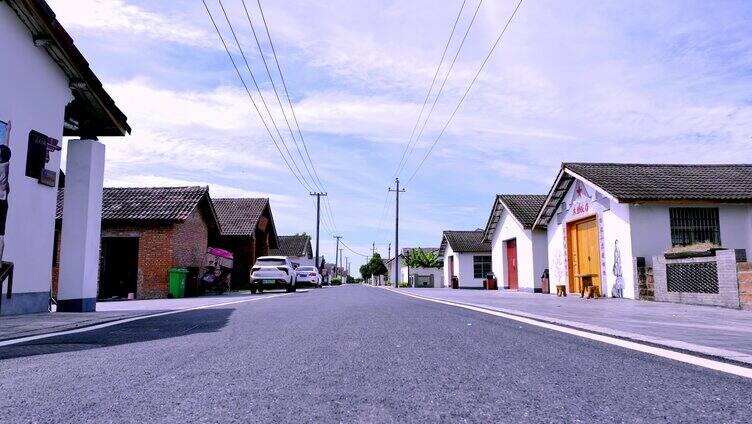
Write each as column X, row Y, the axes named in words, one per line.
column 177, row 277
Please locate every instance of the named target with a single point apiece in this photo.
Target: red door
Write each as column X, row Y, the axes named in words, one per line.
column 512, row 264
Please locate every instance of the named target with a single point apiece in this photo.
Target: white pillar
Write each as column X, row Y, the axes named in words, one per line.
column 82, row 226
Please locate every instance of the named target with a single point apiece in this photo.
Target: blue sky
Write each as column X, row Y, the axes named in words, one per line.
column 631, row 81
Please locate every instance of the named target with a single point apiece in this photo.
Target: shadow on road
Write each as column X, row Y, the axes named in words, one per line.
column 149, row 329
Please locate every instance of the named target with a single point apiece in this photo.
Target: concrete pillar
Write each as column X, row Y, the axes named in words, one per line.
column 82, row 226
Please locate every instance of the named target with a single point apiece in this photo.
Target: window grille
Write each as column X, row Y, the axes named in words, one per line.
column 695, row 277
column 694, row 225
column 481, row 266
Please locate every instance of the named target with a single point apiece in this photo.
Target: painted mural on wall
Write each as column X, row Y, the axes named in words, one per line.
column 618, row 289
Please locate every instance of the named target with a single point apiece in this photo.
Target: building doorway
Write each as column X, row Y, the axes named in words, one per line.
column 119, row 274
column 583, row 254
column 511, row 248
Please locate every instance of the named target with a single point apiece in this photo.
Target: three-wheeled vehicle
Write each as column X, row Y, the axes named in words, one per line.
column 215, row 275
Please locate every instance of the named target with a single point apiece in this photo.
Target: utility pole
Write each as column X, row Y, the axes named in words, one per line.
column 389, row 253
column 340, row 260
column 397, row 192
column 373, row 249
column 336, row 256
column 347, row 266
column 318, row 226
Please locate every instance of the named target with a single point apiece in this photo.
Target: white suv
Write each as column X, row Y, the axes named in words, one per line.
column 273, row 272
column 308, row 275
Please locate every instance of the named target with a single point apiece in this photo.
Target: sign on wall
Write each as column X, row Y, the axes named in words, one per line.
column 38, row 155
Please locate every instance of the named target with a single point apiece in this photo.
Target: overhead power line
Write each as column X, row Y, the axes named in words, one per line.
column 441, row 88
column 469, row 87
column 430, row 89
column 353, row 251
column 253, row 102
column 276, row 94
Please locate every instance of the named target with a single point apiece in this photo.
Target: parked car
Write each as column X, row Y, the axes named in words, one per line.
column 273, row 272
column 308, row 276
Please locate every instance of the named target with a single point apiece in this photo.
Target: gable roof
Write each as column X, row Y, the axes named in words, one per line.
column 160, row 204
column 464, row 242
column 92, row 112
column 524, row 208
column 638, row 183
column 297, row 245
column 240, row 216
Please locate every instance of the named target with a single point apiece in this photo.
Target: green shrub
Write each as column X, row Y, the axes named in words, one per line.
column 336, row 281
column 404, row 285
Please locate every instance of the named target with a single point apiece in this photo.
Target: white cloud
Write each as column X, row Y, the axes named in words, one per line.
column 119, row 16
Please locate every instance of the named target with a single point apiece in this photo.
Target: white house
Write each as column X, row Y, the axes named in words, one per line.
column 603, row 218
column 48, row 91
column 297, row 248
column 467, row 257
column 519, row 252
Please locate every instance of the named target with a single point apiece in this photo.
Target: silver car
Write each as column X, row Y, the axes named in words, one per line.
column 273, row 272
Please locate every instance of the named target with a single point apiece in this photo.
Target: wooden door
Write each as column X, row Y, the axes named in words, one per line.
column 584, row 253
column 512, row 283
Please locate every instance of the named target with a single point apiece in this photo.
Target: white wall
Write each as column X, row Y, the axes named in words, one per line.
column 438, row 274
column 651, row 228
column 613, row 224
column 531, row 253
column 34, row 92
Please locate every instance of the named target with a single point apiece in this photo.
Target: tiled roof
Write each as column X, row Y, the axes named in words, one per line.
column 146, row 203
column 464, row 241
column 239, row 217
column 524, row 207
column 297, row 245
column 651, row 182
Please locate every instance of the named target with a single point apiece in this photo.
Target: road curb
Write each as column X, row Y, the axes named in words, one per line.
column 729, row 356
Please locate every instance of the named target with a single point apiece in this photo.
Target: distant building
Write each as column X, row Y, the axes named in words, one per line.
column 466, row 257
column 247, row 230
column 519, row 253
column 297, row 248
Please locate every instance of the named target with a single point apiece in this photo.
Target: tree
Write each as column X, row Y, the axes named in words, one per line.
column 417, row 258
column 374, row 267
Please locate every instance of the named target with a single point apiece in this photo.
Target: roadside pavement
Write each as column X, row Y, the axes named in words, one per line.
column 17, row 326
column 713, row 331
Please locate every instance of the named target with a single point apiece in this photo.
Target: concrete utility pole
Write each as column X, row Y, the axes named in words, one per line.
column 318, row 225
column 389, row 253
column 340, row 260
column 336, row 256
column 397, row 192
column 373, row 249
column 347, row 266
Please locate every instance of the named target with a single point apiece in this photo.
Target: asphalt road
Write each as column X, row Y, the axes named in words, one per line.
column 351, row 354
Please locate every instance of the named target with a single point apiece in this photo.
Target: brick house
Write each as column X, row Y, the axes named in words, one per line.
column 146, row 231
column 247, row 230
column 297, row 248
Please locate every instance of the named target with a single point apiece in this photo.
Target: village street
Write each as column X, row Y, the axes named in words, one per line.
column 351, row 354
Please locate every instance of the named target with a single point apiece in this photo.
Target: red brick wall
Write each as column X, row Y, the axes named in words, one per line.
column 190, row 240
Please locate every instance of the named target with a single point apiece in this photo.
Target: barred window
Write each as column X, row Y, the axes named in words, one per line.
column 694, row 225
column 481, row 266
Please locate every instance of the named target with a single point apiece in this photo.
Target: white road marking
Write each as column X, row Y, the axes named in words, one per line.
column 657, row 351
column 127, row 320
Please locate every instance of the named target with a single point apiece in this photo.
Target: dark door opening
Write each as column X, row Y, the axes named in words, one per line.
column 119, row 272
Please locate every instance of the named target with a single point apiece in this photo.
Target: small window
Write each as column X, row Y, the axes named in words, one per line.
column 694, row 225
column 481, row 266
